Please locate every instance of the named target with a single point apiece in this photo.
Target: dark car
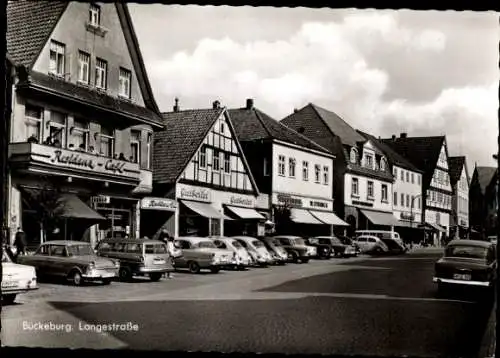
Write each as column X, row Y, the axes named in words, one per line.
column 297, row 249
column 466, row 263
column 332, row 245
column 348, row 241
column 323, row 246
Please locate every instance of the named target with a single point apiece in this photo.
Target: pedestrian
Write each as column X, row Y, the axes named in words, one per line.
column 173, row 252
column 164, row 235
column 20, row 242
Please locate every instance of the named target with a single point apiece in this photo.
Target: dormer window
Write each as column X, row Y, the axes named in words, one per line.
column 95, row 15
column 369, row 161
column 354, row 155
column 383, row 164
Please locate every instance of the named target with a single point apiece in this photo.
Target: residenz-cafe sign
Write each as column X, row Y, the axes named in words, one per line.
column 84, row 161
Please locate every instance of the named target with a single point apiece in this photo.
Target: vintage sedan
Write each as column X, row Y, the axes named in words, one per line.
column 297, row 249
column 241, row 259
column 73, row 260
column 274, row 247
column 466, row 263
column 335, row 246
column 257, row 250
column 16, row 279
column 201, row 253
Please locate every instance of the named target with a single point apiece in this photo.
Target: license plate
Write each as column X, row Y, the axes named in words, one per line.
column 159, row 262
column 462, row 276
column 9, row 284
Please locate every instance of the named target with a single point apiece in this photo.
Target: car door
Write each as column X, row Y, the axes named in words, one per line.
column 362, row 243
column 56, row 265
column 39, row 259
column 184, row 246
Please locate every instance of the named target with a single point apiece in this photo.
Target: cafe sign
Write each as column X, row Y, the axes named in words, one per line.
column 302, row 202
column 188, row 192
column 238, row 200
column 158, row 204
column 69, row 159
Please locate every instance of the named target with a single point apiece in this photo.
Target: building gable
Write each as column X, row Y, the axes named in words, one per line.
column 232, row 170
column 112, row 42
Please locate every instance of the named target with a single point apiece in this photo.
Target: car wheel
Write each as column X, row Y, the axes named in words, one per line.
column 215, row 269
column 125, row 274
column 106, row 281
column 193, row 267
column 76, row 278
column 9, row 299
column 156, row 276
column 294, row 257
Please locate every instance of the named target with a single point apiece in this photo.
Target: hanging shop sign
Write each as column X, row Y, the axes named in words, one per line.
column 159, row 204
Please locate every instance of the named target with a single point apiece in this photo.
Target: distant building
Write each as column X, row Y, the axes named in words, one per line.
column 291, row 172
column 362, row 176
column 483, row 202
column 459, row 179
column 430, row 155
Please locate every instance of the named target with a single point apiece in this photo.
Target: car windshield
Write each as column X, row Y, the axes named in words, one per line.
column 472, row 252
column 257, row 243
column 274, row 242
column 236, row 244
column 79, row 250
column 206, row 245
column 299, row 242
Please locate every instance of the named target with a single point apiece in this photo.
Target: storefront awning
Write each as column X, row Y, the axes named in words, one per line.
column 74, row 208
column 380, row 218
column 245, row 213
column 434, row 226
column 303, row 217
column 204, row 209
column 328, row 218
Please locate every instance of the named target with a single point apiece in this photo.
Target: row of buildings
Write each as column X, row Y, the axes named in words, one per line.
column 83, row 123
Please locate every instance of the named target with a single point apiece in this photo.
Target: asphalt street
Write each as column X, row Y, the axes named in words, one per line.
column 366, row 306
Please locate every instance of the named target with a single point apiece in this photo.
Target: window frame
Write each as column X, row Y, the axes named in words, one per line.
column 395, row 198
column 29, row 119
column 370, row 187
column 355, row 185
column 265, row 171
column 216, row 159
column 124, row 75
column 61, row 127
column 385, row 194
column 281, row 165
column 101, row 68
column 59, row 49
column 292, row 163
column 202, row 162
column 94, row 9
column 83, row 61
column 317, row 173
column 135, row 140
column 227, row 162
column 326, row 174
column 85, row 131
column 305, row 170
column 111, row 137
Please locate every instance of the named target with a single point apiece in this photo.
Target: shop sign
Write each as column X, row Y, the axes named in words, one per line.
column 318, row 204
column 407, row 216
column 194, row 193
column 100, row 199
column 287, row 199
column 362, row 203
column 241, row 201
column 302, row 202
column 84, row 161
column 159, row 204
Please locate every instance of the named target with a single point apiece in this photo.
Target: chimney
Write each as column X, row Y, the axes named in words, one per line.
column 215, row 104
column 176, row 106
column 403, row 135
column 249, row 103
column 393, row 137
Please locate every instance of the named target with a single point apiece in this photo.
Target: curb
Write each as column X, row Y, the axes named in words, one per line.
column 488, row 342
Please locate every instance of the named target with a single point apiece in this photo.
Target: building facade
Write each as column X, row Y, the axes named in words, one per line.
column 459, row 179
column 430, row 155
column 362, row 186
column 202, row 182
column 483, row 204
column 291, row 172
column 82, row 123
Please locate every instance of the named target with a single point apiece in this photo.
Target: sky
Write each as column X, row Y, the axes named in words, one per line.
column 384, row 72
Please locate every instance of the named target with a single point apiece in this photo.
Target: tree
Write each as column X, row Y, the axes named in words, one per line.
column 282, row 219
column 47, row 206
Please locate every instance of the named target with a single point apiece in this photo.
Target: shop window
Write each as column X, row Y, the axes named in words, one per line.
column 125, row 78
column 57, row 129
column 203, row 157
column 33, row 118
column 57, row 55
column 101, row 73
column 80, row 135
column 83, row 67
column 135, row 146
column 107, row 142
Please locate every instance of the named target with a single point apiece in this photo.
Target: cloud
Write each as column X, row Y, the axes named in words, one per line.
column 355, row 67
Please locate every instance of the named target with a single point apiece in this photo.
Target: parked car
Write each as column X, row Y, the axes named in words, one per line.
column 137, row 257
column 371, row 245
column 274, row 247
column 16, row 278
column 73, row 260
column 381, row 234
column 350, row 242
column 338, row 248
column 201, row 253
column 297, row 249
column 257, row 250
column 242, row 258
column 466, row 263
column 324, row 249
